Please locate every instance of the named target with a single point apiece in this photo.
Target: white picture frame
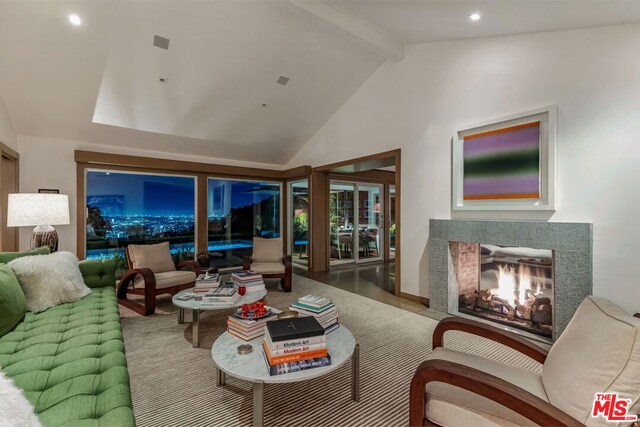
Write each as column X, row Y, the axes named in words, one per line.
column 547, row 116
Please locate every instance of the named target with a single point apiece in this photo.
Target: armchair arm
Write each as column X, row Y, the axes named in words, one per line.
column 483, row 384
column 287, row 262
column 149, row 287
column 191, row 265
column 246, row 263
column 509, row 339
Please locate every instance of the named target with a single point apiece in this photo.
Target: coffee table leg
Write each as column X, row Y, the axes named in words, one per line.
column 220, row 377
column 195, row 330
column 355, row 374
column 258, row 404
column 180, row 316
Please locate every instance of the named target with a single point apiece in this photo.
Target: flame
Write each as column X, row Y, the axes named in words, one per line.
column 515, row 291
column 524, row 284
column 506, row 283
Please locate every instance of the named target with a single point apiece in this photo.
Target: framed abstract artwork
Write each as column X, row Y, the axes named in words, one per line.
column 507, row 163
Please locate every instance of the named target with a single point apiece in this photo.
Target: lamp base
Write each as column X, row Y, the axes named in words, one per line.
column 44, row 235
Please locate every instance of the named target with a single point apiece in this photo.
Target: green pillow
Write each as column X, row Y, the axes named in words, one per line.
column 7, row 257
column 13, row 304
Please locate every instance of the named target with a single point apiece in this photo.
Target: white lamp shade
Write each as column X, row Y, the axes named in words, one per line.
column 32, row 209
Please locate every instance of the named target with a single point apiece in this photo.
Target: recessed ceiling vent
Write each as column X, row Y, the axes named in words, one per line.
column 282, row 80
column 161, row 42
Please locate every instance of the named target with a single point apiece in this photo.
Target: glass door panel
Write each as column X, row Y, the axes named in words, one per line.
column 299, row 215
column 392, row 221
column 370, row 222
column 237, row 212
column 342, row 238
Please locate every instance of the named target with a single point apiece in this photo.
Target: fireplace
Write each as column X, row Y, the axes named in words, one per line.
column 555, row 261
column 512, row 286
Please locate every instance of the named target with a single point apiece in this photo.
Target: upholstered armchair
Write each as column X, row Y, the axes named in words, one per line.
column 598, row 352
column 268, row 259
column 152, row 272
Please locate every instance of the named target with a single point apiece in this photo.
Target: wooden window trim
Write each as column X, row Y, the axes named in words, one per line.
column 11, row 154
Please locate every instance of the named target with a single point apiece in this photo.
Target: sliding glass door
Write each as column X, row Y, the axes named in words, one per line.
column 237, row 211
column 370, row 225
column 356, row 222
column 299, row 222
column 392, row 221
column 342, row 223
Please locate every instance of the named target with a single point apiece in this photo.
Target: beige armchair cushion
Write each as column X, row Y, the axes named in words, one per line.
column 448, row 405
column 155, row 257
column 599, row 351
column 168, row 279
column 268, row 267
column 267, row 250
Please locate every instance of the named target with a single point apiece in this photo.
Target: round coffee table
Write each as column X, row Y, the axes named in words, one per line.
column 248, row 298
column 252, row 367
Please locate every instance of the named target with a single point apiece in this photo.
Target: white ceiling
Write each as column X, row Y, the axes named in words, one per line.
column 222, row 64
column 99, row 83
column 437, row 20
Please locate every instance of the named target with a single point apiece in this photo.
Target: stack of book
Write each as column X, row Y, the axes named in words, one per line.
column 249, row 329
column 208, row 280
column 292, row 345
column 319, row 307
column 249, row 279
column 221, row 296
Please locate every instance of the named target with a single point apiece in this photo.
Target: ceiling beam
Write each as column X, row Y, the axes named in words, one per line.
column 372, row 37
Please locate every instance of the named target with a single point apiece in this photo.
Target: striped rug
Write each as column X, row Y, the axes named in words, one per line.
column 173, row 384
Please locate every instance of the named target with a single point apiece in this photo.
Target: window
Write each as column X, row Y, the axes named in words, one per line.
column 237, row 211
column 132, row 208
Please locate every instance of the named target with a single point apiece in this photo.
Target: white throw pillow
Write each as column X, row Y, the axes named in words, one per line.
column 15, row 409
column 49, row 280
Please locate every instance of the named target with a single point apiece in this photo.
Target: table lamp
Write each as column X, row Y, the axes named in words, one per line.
column 41, row 210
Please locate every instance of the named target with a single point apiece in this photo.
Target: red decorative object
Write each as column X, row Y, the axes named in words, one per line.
column 257, row 309
column 242, row 290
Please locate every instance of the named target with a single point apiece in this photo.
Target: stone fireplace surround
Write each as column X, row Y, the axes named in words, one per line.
column 572, row 244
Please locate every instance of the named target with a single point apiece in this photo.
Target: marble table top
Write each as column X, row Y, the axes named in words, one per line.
column 248, row 298
column 252, row 367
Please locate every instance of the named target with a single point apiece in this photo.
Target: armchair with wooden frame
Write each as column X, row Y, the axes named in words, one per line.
column 598, row 352
column 268, row 259
column 152, row 272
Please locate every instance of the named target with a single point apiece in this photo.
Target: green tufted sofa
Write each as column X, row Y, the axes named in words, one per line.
column 69, row 360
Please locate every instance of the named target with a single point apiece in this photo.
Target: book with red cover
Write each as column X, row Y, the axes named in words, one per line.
column 277, row 360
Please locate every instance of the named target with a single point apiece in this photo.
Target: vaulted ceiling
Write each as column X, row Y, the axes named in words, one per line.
column 101, row 82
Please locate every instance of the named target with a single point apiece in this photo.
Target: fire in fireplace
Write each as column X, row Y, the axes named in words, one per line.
column 509, row 285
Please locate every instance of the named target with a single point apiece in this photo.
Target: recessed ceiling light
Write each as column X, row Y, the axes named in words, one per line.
column 475, row 16
column 283, row 80
column 74, row 19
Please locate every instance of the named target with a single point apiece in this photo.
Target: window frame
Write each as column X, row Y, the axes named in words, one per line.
column 201, row 171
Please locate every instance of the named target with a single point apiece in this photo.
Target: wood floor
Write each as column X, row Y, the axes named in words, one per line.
column 375, row 281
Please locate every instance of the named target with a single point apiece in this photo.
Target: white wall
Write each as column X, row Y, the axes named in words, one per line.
column 7, row 133
column 592, row 75
column 49, row 163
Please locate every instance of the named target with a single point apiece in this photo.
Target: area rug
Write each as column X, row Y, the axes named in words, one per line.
column 174, row 384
